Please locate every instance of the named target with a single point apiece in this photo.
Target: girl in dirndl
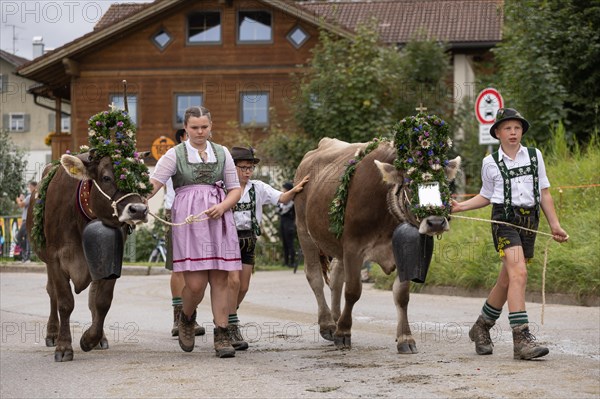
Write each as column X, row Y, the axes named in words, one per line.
column 205, row 181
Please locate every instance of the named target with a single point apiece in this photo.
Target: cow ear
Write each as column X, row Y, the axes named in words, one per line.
column 389, row 174
column 74, row 166
column 452, row 168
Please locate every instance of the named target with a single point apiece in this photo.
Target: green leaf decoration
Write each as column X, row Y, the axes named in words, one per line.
column 337, row 208
column 422, row 145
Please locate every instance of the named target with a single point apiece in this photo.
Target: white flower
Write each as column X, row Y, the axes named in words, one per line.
column 129, row 132
column 142, row 186
column 436, row 166
column 112, row 107
column 410, row 171
column 84, row 148
column 427, row 176
column 91, row 133
column 449, row 143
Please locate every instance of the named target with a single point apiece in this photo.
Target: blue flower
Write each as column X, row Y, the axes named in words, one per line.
column 107, row 142
column 430, row 152
column 410, row 160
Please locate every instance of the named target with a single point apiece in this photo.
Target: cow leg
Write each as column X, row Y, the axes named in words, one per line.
column 65, row 304
column 352, row 293
column 336, row 283
column 406, row 343
column 99, row 301
column 52, row 326
column 103, row 344
column 314, row 275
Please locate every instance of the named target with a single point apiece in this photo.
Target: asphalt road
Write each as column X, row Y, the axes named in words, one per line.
column 287, row 358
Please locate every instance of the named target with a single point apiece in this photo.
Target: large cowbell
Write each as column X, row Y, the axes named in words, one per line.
column 103, row 249
column 412, row 252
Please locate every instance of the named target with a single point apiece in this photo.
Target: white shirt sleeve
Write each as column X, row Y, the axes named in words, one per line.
column 170, row 195
column 489, row 174
column 544, row 182
column 165, row 167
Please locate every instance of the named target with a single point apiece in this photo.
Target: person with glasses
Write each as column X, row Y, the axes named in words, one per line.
column 206, row 250
column 248, row 215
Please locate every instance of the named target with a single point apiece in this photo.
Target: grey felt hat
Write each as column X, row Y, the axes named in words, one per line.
column 505, row 114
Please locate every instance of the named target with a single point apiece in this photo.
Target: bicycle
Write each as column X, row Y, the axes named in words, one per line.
column 159, row 250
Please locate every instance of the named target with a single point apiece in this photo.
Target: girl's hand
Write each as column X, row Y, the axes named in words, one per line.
column 215, row 211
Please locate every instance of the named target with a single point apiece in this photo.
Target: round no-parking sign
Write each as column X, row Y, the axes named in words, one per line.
column 488, row 102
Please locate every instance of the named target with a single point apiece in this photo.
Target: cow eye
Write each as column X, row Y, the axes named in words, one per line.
column 106, row 179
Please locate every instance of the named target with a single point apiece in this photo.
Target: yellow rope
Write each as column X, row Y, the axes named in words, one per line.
column 188, row 220
column 545, row 250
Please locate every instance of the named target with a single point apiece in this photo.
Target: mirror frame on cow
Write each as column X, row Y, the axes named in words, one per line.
column 85, row 207
column 368, row 190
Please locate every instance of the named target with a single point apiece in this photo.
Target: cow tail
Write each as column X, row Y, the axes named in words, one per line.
column 325, row 263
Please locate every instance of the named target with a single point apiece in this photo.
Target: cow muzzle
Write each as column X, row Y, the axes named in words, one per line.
column 433, row 225
column 134, row 213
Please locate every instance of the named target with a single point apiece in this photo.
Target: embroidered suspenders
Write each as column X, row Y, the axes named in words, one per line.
column 508, row 174
column 250, row 206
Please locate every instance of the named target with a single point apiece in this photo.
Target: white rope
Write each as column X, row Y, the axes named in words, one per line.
column 114, row 203
column 188, row 220
column 545, row 251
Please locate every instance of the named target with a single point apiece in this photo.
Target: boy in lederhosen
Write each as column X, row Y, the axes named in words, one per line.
column 514, row 181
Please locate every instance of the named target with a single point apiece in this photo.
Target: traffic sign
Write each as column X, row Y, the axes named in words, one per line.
column 484, row 134
column 488, row 102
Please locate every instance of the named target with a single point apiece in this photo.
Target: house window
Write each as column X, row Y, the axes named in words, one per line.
column 255, row 26
column 255, row 108
column 16, row 122
column 297, row 37
column 3, row 83
column 117, row 99
column 183, row 102
column 204, row 27
column 65, row 124
column 162, row 39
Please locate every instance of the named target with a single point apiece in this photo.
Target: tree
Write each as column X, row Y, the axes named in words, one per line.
column 548, row 64
column 12, row 170
column 356, row 89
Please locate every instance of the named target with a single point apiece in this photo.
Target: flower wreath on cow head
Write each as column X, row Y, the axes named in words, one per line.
column 112, row 133
column 422, row 146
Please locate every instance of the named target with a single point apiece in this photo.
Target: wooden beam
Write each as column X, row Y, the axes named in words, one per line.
column 71, row 67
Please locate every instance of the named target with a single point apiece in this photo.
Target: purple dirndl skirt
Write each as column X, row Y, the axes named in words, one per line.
column 207, row 245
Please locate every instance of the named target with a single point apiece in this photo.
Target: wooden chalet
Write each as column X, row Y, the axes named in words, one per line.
column 235, row 57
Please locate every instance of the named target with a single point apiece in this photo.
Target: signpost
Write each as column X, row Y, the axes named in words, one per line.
column 160, row 146
column 488, row 102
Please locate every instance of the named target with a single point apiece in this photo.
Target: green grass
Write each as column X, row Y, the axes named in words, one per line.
column 465, row 256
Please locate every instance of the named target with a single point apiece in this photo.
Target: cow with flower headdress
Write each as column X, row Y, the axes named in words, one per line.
column 384, row 200
column 85, row 206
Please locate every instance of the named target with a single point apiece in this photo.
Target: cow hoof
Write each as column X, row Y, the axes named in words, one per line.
column 103, row 344
column 51, row 342
column 65, row 356
column 87, row 344
column 407, row 348
column 343, row 342
column 327, row 333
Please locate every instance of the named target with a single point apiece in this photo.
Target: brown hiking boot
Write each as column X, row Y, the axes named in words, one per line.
column 222, row 344
column 525, row 346
column 176, row 313
column 198, row 329
column 236, row 338
column 480, row 334
column 186, row 332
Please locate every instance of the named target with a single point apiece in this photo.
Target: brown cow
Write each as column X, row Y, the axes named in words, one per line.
column 375, row 207
column 63, row 251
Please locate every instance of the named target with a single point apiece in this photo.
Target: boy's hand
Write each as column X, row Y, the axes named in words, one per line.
column 559, row 235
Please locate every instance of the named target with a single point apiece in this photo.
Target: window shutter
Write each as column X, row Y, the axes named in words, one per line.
column 4, row 80
column 51, row 122
column 5, row 122
column 27, row 123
